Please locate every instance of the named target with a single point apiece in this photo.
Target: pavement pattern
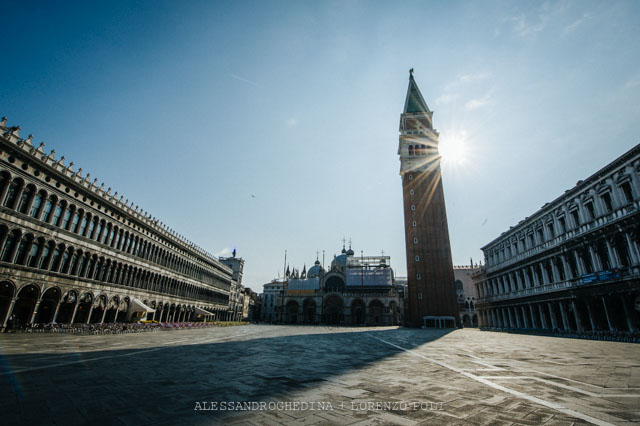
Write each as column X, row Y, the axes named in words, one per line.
column 297, row 375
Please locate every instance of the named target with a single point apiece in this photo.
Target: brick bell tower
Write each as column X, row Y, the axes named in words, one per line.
column 430, row 276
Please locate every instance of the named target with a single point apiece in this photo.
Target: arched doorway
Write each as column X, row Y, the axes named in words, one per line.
column 334, row 309
column 23, row 309
column 67, row 306
column 84, row 306
column 98, row 309
column 123, row 308
column 158, row 312
column 292, row 311
column 112, row 310
column 466, row 321
column 48, row 304
column 6, row 294
column 358, row 312
column 376, row 309
column 309, row 309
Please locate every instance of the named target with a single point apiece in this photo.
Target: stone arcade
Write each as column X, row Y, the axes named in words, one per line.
column 73, row 252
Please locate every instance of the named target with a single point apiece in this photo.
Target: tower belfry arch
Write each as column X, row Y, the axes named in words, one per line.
column 430, row 279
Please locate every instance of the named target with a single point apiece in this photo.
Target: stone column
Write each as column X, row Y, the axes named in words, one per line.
column 606, row 312
column 90, row 312
column 595, row 260
column 533, row 317
column 627, row 314
column 518, row 320
column 511, row 322
column 543, row 271
column 104, row 314
column 552, row 315
column 527, row 281
column 554, row 271
column 632, row 250
column 563, row 314
column 579, row 265
column 525, row 318
column 543, row 320
column 565, row 267
column 519, row 280
column 55, row 314
column 35, row 312
column 577, row 316
column 613, row 259
column 75, row 309
column 9, row 312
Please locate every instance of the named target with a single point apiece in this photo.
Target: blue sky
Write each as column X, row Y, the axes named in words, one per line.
column 190, row 108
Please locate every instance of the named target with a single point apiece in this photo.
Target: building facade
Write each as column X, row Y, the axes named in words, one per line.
column 236, row 290
column 72, row 251
column 356, row 290
column 574, row 265
column 271, row 294
column 432, row 293
column 466, row 295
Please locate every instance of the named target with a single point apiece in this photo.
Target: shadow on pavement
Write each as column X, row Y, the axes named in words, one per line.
column 163, row 385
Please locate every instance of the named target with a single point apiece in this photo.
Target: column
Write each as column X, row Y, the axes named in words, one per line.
column 75, row 309
column 606, row 312
column 627, row 314
column 104, row 314
column 543, row 320
column 543, row 270
column 9, row 312
column 511, row 322
column 90, row 312
column 563, row 314
column 533, row 317
column 518, row 320
column 524, row 316
column 35, row 312
column 554, row 271
column 552, row 315
column 594, row 260
column 527, row 281
column 534, row 277
column 632, row 250
column 613, row 259
column 591, row 320
column 579, row 263
column 55, row 314
column 565, row 267
column 519, row 280
column 577, row 316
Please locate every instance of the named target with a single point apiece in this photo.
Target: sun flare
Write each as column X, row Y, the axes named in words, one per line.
column 453, row 148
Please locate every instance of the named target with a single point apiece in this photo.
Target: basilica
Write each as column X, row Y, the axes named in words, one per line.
column 355, row 290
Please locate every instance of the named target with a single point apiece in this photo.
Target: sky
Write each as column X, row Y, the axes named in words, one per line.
column 273, row 125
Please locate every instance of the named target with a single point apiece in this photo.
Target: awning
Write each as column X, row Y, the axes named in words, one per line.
column 201, row 311
column 138, row 306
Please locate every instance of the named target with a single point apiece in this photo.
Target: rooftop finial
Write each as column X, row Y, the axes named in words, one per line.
column 411, row 72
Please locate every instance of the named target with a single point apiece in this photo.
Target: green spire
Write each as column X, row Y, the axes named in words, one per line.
column 415, row 104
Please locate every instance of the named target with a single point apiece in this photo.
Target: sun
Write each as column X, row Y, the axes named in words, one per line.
column 453, row 148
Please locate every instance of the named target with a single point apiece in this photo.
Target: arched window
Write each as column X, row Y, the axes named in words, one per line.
column 33, row 254
column 24, row 199
column 20, row 256
column 12, row 193
column 46, row 211
column 57, row 212
column 66, row 218
column 83, row 226
column 92, row 226
column 55, row 260
column 45, row 255
column 35, row 207
column 411, row 150
column 7, row 250
column 64, row 264
column 74, row 222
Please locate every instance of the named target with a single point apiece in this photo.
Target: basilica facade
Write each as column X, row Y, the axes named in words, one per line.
column 355, row 290
column 71, row 251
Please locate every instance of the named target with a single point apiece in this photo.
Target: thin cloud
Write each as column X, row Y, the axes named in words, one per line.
column 224, row 252
column 446, row 98
column 237, row 77
column 464, row 79
column 575, row 24
column 478, row 103
column 291, row 122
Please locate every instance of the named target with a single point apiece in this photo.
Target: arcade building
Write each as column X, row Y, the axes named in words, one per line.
column 71, row 251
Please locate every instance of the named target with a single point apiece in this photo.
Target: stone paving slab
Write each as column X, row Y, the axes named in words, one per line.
column 354, row 376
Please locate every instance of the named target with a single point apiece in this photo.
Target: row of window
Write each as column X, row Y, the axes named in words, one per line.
column 602, row 255
column 585, row 213
column 38, row 253
column 26, row 199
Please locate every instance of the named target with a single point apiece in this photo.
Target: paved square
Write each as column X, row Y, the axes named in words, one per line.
column 316, row 375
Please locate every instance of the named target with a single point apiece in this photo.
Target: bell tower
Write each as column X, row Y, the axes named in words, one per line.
column 431, row 283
